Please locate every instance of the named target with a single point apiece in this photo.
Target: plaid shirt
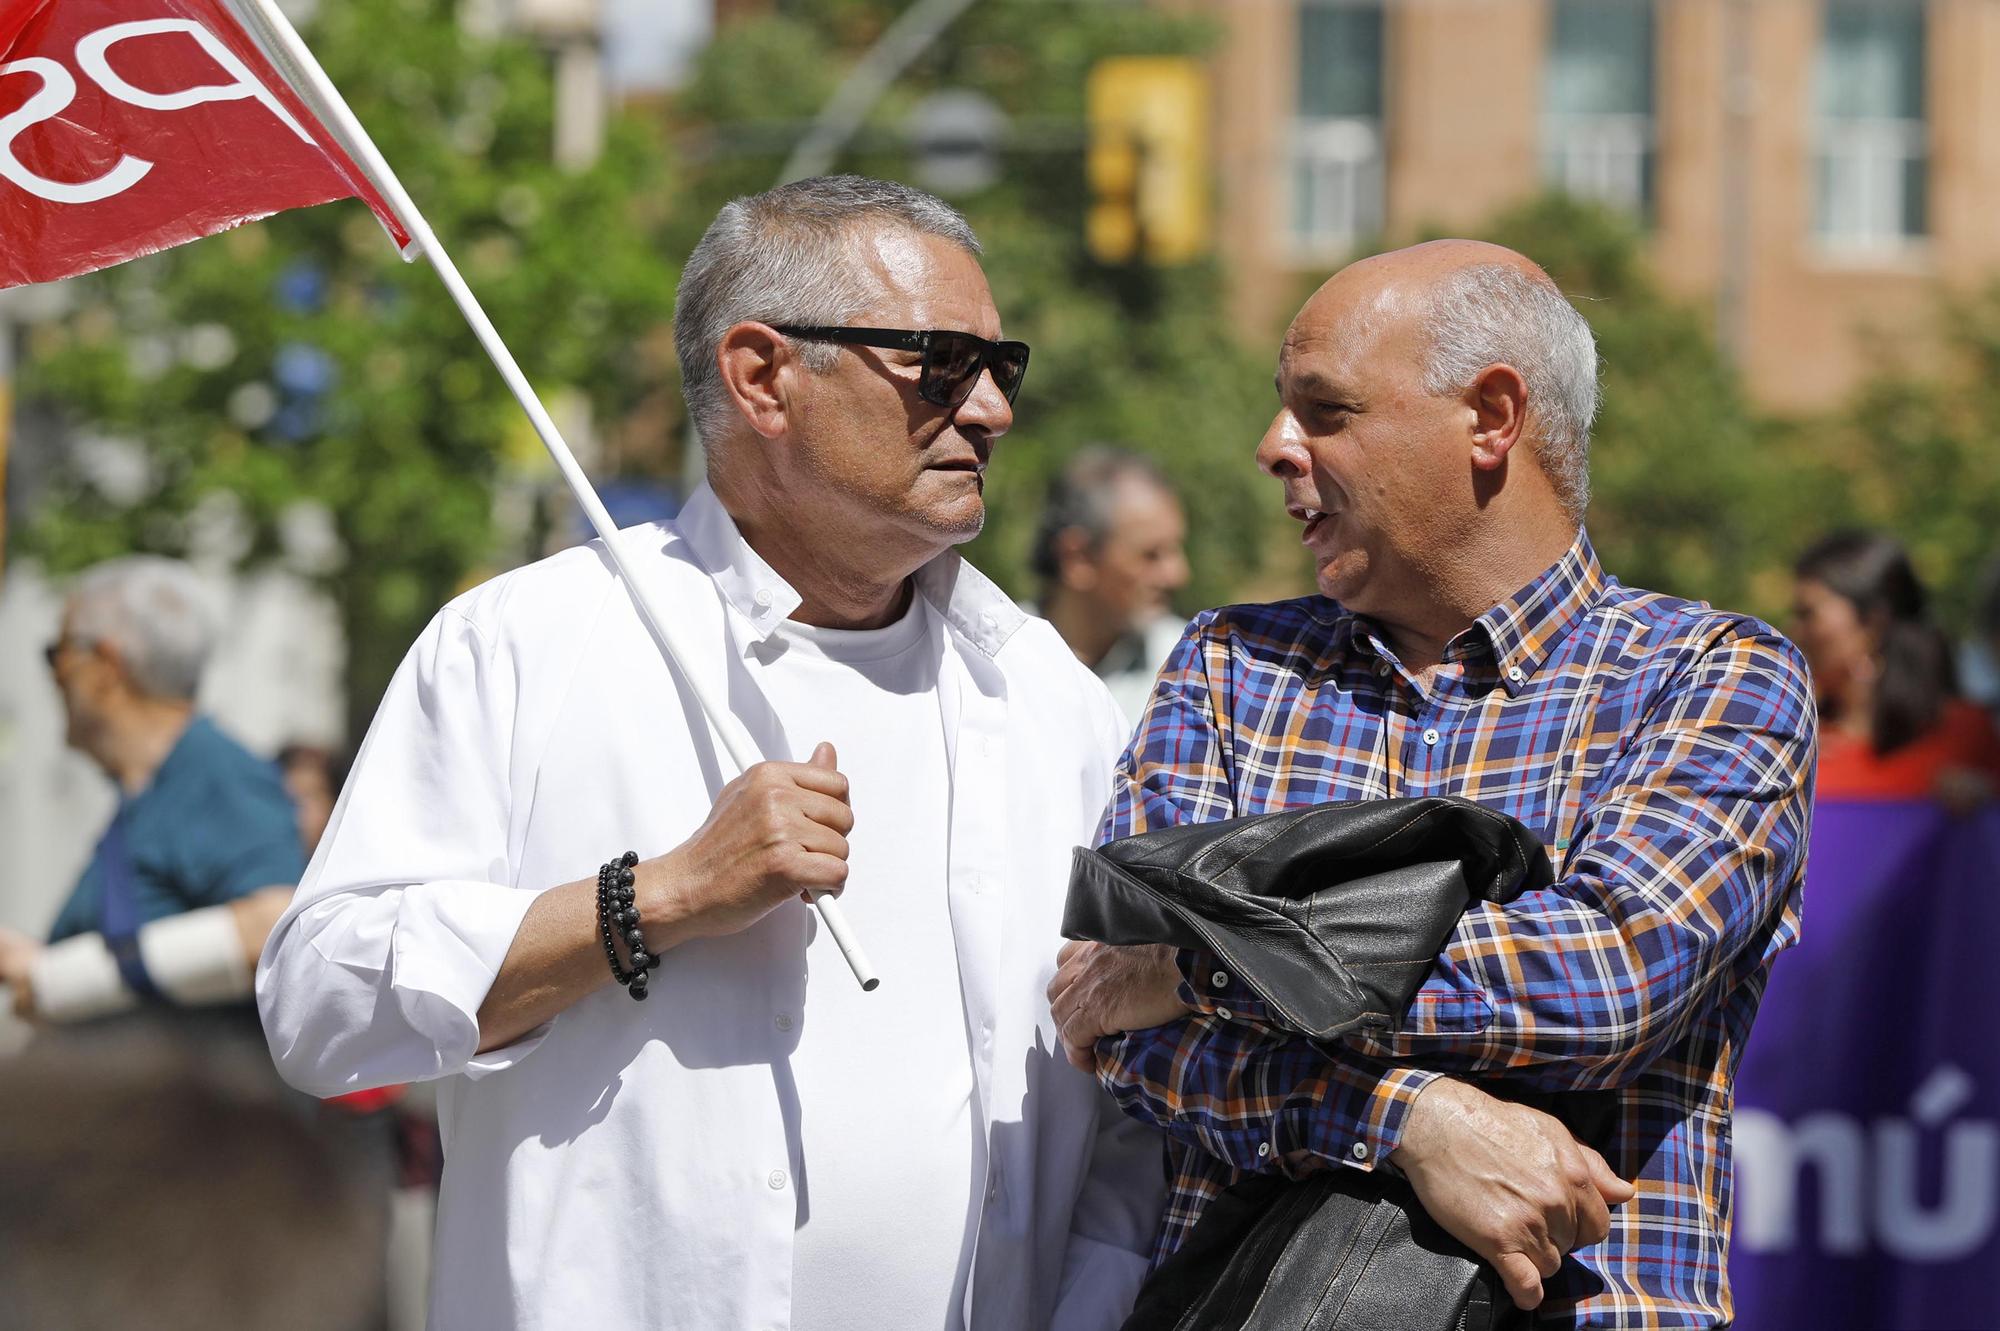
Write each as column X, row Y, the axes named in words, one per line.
column 1664, row 753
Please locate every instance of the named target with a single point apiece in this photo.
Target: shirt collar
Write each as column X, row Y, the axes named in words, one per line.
column 1523, row 629
column 966, row 598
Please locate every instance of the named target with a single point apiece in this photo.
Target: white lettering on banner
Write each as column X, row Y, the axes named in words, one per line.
column 1770, row 1157
column 91, row 52
column 58, row 90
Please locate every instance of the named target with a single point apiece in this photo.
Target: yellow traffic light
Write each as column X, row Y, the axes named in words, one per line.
column 1148, row 162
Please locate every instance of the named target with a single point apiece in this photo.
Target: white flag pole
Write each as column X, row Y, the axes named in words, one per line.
column 296, row 62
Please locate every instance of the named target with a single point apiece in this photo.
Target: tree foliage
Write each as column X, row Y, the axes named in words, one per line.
column 299, row 359
column 1913, row 454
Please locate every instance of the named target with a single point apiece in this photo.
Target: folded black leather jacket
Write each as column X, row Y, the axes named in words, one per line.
column 1333, row 915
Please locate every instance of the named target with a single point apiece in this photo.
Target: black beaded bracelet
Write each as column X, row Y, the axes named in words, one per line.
column 618, row 913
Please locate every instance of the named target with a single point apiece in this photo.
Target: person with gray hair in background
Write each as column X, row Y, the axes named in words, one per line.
column 759, row 1143
column 1110, row 553
column 1431, row 439
column 200, row 858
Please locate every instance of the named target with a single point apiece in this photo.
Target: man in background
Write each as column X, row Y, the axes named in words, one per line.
column 200, row 858
column 1110, row 554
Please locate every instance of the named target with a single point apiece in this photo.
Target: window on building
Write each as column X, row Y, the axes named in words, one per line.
column 1872, row 158
column 1336, row 157
column 1597, row 101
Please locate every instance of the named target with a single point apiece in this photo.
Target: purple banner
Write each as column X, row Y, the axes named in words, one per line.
column 1868, row 1104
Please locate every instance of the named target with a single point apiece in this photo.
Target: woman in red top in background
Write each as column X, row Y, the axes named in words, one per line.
column 1892, row 725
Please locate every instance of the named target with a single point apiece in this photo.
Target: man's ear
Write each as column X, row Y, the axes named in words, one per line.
column 1499, row 402
column 116, row 675
column 757, row 363
column 1074, row 567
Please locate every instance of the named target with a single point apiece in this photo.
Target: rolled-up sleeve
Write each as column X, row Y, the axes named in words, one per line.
column 377, row 971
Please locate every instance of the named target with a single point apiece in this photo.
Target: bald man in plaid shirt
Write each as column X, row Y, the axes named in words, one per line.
column 1432, row 439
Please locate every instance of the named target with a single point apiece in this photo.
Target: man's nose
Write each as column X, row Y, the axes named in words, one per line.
column 1282, row 452
column 986, row 407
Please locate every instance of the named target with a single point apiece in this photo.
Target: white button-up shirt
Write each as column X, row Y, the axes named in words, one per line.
column 626, row 1165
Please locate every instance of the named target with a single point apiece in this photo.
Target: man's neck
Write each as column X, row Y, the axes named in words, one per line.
column 854, row 584
column 141, row 740
column 1089, row 632
column 1460, row 588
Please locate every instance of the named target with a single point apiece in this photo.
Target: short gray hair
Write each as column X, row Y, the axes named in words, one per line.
column 156, row 613
column 785, row 257
column 1492, row 314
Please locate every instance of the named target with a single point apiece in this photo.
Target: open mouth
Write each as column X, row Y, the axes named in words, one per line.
column 1315, row 520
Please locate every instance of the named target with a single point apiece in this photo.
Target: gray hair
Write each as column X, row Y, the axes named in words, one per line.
column 1492, row 314
column 1080, row 498
column 785, row 257
column 156, row 613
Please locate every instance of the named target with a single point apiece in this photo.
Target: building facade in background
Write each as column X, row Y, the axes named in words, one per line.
column 1819, row 172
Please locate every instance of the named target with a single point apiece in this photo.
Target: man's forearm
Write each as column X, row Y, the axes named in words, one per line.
column 1256, row 1098
column 557, row 957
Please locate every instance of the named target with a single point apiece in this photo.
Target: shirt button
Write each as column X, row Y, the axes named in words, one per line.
column 1516, row 674
column 1431, row 736
column 763, row 597
column 1382, row 669
column 1219, row 980
column 1360, row 1151
column 784, row 1021
column 777, row 1180
column 1225, row 1014
column 1263, row 1150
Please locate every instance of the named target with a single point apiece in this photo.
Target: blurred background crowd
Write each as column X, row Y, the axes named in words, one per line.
column 1776, row 214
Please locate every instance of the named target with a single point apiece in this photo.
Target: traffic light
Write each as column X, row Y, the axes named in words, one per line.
column 1148, row 164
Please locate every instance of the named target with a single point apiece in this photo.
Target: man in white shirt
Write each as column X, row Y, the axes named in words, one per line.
column 759, row 1144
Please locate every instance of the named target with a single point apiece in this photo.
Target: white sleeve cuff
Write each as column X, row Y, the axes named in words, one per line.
column 78, row 980
column 196, row 958
column 450, row 941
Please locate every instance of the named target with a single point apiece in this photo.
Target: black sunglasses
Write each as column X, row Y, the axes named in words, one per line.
column 953, row 361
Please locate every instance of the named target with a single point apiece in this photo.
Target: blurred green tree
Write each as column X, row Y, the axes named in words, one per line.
column 1915, row 453
column 299, row 359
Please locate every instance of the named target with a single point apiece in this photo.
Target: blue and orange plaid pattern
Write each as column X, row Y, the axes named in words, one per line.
column 1663, row 750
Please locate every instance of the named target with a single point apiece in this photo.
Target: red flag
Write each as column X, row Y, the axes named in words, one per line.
column 128, row 126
